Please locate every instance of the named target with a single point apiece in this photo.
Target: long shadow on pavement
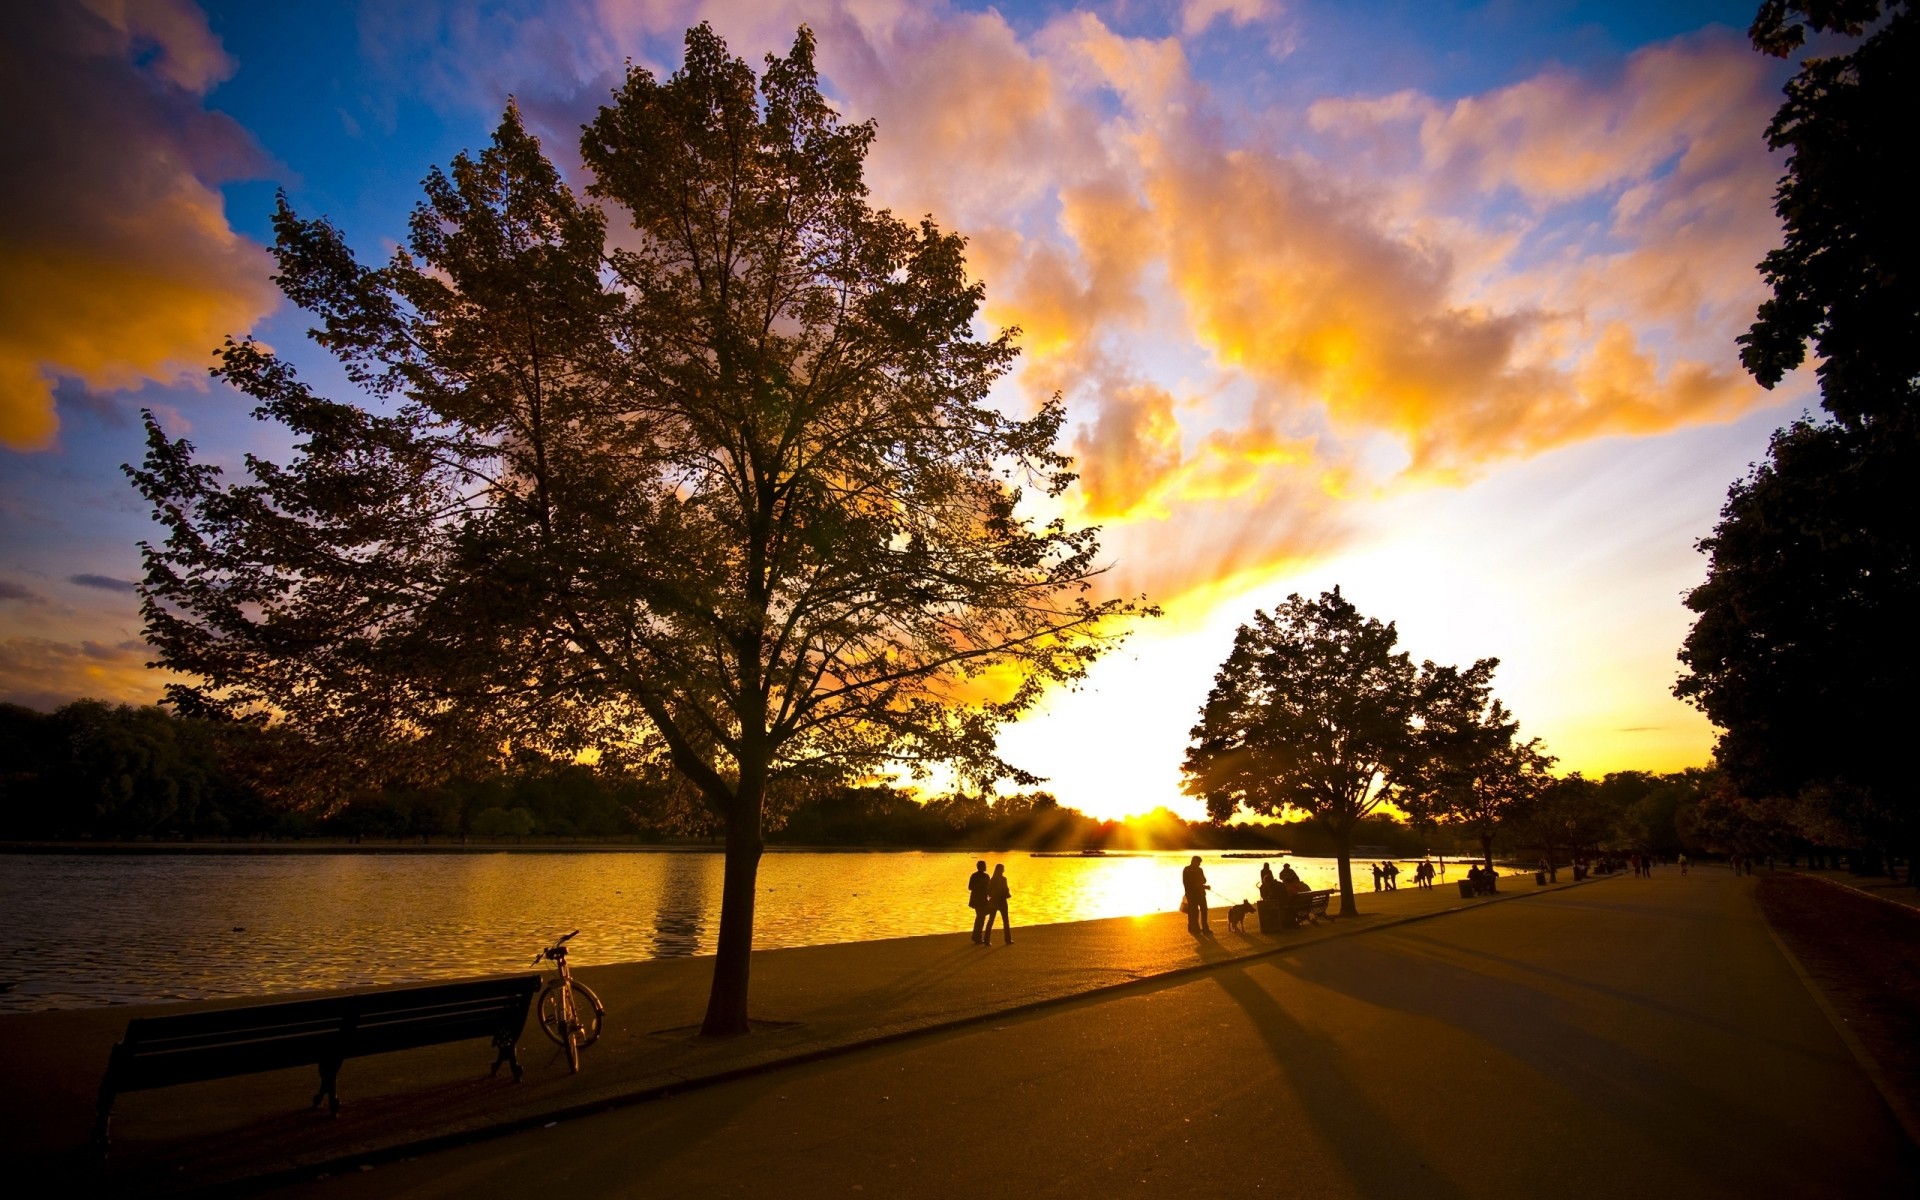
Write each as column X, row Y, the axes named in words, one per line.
column 1718, row 1129
column 1350, row 1124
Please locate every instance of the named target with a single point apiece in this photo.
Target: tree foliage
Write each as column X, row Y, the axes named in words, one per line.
column 1804, row 641
column 1314, row 711
column 725, row 490
column 1846, row 277
column 1471, row 773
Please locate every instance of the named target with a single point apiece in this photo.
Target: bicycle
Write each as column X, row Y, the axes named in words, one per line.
column 570, row 1013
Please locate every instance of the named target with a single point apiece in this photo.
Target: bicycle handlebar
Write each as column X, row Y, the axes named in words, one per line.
column 556, row 950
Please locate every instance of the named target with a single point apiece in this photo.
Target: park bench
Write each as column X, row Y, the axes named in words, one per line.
column 192, row 1047
column 1304, row 908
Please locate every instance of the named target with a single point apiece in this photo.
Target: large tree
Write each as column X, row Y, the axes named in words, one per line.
column 1805, row 648
column 1846, row 277
column 725, row 489
column 1313, row 710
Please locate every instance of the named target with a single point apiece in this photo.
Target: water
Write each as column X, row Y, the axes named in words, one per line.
column 80, row 931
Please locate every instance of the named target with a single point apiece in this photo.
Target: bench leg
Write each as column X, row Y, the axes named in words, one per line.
column 329, row 1087
column 508, row 1054
column 103, row 1118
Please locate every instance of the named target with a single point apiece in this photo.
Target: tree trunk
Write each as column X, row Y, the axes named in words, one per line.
column 1486, row 851
column 1342, row 838
column 727, row 1001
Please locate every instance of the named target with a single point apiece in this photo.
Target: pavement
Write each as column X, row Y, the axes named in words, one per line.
column 1634, row 1037
column 808, row 1003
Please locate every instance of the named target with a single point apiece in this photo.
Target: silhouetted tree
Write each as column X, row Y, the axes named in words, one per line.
column 1314, row 711
column 1472, row 774
column 1846, row 277
column 1805, row 644
column 729, row 494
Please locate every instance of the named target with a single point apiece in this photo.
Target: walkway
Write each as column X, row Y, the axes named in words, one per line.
column 1643, row 1035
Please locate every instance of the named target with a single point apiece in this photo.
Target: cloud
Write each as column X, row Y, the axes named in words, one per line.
column 45, row 673
column 117, row 266
column 1197, row 16
column 14, row 591
column 105, row 583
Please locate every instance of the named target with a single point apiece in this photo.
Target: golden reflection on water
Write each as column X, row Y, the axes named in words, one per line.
column 82, row 931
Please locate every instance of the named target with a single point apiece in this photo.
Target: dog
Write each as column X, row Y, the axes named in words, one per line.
column 1237, row 917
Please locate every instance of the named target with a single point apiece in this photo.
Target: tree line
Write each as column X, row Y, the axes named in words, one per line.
column 97, row 771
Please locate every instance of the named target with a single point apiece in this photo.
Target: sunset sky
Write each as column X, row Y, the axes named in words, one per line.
column 1435, row 302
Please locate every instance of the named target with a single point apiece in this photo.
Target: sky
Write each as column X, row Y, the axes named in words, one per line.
column 1433, row 302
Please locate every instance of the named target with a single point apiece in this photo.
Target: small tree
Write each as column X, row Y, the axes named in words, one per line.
column 1472, row 774
column 729, row 495
column 1313, row 711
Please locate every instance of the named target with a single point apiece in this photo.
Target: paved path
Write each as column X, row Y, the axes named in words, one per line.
column 1638, row 1036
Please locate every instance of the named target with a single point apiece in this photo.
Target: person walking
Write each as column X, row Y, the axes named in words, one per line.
column 1376, row 877
column 1193, row 882
column 997, row 893
column 1391, row 870
column 977, row 885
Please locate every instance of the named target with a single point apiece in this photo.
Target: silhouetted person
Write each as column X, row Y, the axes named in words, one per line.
column 997, row 893
column 1194, row 881
column 977, row 885
column 1391, row 870
column 1270, row 888
column 1376, row 877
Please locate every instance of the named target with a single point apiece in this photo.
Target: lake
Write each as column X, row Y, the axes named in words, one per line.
column 87, row 930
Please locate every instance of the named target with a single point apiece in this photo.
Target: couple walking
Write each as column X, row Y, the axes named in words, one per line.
column 987, row 896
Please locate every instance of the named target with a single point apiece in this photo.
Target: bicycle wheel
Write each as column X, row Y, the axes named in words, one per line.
column 584, row 1019
column 587, row 1012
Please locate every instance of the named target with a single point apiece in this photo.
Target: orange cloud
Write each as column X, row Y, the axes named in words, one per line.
column 117, row 265
column 45, row 673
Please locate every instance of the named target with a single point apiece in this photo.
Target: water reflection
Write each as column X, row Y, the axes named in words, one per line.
column 678, row 919
column 78, row 931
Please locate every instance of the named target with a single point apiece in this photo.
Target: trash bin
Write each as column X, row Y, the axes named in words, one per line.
column 1273, row 916
column 1466, row 890
column 1540, row 879
column 1579, row 873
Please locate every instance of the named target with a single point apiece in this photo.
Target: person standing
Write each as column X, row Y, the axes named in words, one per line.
column 1376, row 877
column 1193, row 882
column 977, row 887
column 997, row 893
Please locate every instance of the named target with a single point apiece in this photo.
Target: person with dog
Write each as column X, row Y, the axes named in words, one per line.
column 997, row 893
column 977, row 887
column 1193, row 882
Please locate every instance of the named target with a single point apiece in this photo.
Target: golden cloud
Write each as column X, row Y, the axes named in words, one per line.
column 45, row 673
column 118, row 264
